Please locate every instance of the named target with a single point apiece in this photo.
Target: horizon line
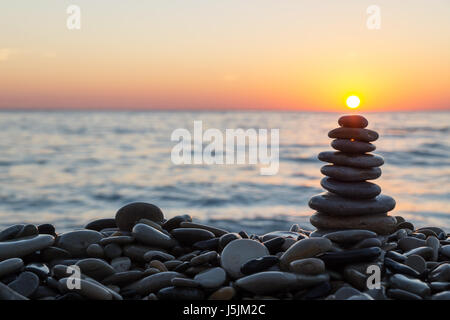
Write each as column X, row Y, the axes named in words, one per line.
column 219, row 110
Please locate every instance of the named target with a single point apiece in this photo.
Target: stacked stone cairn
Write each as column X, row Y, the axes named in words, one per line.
column 352, row 202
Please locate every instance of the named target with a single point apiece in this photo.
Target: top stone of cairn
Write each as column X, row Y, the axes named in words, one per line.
column 353, row 121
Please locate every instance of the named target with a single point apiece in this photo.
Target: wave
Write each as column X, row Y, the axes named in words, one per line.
column 300, row 159
column 405, row 130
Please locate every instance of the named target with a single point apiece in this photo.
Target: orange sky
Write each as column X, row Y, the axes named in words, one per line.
column 234, row 54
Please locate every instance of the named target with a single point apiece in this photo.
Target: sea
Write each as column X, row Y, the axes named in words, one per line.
column 70, row 167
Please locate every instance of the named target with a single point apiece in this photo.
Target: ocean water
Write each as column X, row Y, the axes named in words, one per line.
column 70, row 167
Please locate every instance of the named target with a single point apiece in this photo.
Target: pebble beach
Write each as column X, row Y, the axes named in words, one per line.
column 140, row 255
column 358, row 252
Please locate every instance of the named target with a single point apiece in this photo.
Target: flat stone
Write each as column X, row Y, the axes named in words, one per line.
column 424, row 252
column 204, row 258
column 415, row 286
column 210, row 244
column 400, row 294
column 123, row 278
column 243, row 234
column 306, row 248
column 39, row 269
column 419, row 235
column 353, row 121
column 349, row 174
column 225, row 293
column 176, row 221
column 95, row 251
column 358, row 134
column 188, row 236
column 152, row 237
column 440, row 286
column 399, row 267
column 121, row 264
column 267, row 282
column 283, row 234
column 100, row 224
column 10, row 232
column 182, row 267
column 158, row 265
column 351, row 160
column 333, row 259
column 274, row 245
column 339, row 206
column 76, row 242
column 212, row 278
column 87, row 289
column 60, row 271
column 180, row 293
column 416, row 262
column 155, row 282
column 238, row 252
column 352, row 146
column 380, row 223
column 405, row 225
column 367, row 243
column 270, row 282
column 9, row 266
column 445, row 295
column 112, row 250
column 288, row 242
column 409, row 243
column 24, row 246
column 424, row 233
column 46, row 228
column 6, row 293
column 172, row 264
column 350, row 236
column 227, row 238
column 184, row 282
column 217, row 231
column 95, row 268
column 437, row 231
column 151, row 224
column 121, row 240
column 129, row 215
column 440, row 274
column 445, row 250
column 27, row 230
column 259, row 264
column 158, row 255
column 309, row 266
column 26, row 284
column 355, row 278
column 433, row 243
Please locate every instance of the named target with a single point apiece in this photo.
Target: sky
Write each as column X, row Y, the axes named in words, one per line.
column 227, row 54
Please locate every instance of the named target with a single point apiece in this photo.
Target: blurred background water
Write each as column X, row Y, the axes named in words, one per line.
column 70, row 167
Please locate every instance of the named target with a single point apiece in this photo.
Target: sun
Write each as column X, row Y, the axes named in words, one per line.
column 353, row 102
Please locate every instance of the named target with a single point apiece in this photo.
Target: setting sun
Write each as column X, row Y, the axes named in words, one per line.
column 353, row 102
